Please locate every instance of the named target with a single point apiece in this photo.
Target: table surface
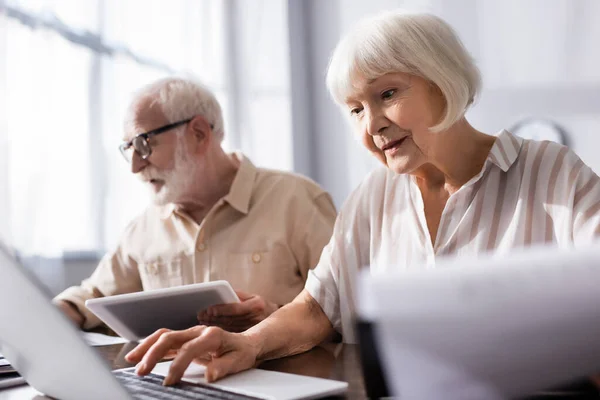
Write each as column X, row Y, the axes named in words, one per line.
column 333, row 361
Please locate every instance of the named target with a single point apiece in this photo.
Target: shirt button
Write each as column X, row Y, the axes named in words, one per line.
column 201, row 247
column 256, row 258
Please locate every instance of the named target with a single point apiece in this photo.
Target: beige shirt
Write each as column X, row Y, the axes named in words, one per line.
column 262, row 237
column 527, row 193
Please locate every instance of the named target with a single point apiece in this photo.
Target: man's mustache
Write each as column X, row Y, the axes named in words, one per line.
column 147, row 176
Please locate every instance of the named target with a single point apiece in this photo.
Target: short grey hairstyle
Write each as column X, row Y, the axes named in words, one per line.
column 415, row 43
column 182, row 98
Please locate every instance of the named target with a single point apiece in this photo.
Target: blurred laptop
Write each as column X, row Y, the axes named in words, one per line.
column 48, row 351
column 487, row 328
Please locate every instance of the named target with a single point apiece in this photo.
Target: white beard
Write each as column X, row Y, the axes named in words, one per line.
column 178, row 181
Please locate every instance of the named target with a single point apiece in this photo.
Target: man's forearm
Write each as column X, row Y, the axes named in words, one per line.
column 294, row 328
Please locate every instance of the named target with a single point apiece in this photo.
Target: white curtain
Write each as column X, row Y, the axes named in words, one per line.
column 68, row 69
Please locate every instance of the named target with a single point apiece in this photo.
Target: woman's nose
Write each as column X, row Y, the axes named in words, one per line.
column 376, row 121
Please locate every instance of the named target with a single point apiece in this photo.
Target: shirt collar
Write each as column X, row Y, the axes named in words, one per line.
column 167, row 210
column 241, row 189
column 505, row 150
column 240, row 192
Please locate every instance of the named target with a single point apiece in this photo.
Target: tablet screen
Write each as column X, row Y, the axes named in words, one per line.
column 144, row 317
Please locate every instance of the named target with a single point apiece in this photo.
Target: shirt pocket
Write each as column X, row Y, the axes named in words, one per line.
column 272, row 274
column 165, row 273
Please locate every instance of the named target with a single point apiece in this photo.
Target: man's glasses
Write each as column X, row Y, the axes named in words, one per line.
column 140, row 142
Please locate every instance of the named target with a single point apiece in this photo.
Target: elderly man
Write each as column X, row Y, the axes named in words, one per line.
column 215, row 215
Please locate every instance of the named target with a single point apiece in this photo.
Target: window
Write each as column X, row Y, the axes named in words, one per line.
column 68, row 70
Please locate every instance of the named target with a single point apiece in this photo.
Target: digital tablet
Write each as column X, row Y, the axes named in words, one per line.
column 135, row 316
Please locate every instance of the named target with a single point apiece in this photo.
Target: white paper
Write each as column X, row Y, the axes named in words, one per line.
column 488, row 328
column 98, row 339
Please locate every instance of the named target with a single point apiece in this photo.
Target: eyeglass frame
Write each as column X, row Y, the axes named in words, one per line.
column 123, row 147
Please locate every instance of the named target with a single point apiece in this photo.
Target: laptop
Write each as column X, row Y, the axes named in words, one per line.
column 515, row 326
column 49, row 352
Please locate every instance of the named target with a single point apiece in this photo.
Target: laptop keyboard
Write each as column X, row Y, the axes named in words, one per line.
column 151, row 387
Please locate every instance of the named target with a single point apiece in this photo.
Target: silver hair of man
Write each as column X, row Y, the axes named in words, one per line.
column 181, row 98
column 419, row 44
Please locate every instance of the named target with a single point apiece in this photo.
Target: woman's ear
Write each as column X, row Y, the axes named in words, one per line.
column 438, row 99
column 435, row 89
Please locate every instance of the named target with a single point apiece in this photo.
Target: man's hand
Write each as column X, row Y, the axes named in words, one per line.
column 223, row 353
column 237, row 317
column 71, row 311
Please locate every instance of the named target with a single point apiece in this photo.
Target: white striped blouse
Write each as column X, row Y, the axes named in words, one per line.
column 527, row 193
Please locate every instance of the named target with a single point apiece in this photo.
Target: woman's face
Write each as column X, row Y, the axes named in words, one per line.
column 393, row 114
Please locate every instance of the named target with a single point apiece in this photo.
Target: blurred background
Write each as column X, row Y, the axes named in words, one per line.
column 68, row 68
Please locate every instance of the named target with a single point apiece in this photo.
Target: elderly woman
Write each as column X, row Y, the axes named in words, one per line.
column 406, row 81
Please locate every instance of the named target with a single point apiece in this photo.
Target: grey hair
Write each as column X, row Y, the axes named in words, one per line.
column 419, row 44
column 182, row 98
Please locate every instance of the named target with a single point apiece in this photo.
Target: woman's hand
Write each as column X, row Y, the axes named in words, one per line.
column 223, row 353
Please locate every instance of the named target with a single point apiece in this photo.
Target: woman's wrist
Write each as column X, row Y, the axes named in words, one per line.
column 254, row 340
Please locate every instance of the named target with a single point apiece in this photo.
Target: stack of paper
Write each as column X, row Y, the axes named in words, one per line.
column 488, row 328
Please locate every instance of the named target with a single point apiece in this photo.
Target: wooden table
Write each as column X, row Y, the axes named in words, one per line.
column 333, row 361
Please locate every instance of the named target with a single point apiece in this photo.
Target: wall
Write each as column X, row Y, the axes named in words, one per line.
column 329, row 155
column 4, row 204
column 537, row 57
column 58, row 274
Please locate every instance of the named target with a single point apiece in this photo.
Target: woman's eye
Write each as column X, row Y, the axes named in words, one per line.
column 355, row 111
column 388, row 94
